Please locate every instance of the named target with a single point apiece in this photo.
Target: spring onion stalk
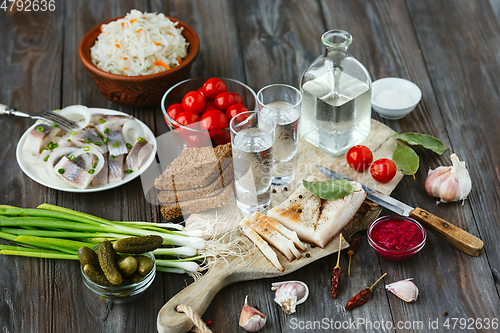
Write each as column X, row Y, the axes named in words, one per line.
column 183, row 251
column 55, row 232
column 152, row 224
column 189, row 266
column 38, row 254
column 170, row 270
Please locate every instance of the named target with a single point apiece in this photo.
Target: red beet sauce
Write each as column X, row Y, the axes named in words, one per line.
column 395, row 234
column 396, row 237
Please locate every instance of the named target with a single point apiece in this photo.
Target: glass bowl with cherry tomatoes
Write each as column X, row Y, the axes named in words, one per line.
column 198, row 110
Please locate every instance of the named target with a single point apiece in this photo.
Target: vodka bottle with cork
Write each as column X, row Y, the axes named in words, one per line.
column 336, row 97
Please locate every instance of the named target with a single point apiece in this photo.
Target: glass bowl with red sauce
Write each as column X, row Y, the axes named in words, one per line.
column 396, row 238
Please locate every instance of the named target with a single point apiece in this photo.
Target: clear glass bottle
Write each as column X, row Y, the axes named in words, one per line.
column 336, row 97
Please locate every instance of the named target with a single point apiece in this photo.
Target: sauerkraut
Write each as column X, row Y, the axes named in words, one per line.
column 139, row 44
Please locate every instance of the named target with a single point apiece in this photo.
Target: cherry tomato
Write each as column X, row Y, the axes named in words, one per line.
column 174, row 110
column 202, row 92
column 213, row 120
column 383, row 170
column 212, row 104
column 213, row 87
column 237, row 98
column 187, row 117
column 194, row 138
column 235, row 109
column 224, row 100
column 359, row 157
column 193, row 101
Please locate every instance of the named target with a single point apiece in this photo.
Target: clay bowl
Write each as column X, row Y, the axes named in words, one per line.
column 144, row 90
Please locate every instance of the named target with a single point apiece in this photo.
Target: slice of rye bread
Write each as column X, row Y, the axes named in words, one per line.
column 195, row 168
column 171, row 197
column 194, row 206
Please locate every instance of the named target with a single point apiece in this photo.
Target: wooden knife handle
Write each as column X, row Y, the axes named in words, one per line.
column 457, row 237
column 197, row 296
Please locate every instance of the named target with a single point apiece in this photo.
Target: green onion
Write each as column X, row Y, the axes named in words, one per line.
column 140, row 139
column 41, row 150
column 89, row 140
column 39, row 128
column 46, row 158
column 51, row 231
column 61, row 171
column 72, row 157
column 129, row 146
column 69, row 140
column 102, row 121
column 106, row 130
column 55, row 145
column 129, row 171
column 95, row 165
column 91, row 171
column 112, row 156
column 105, row 140
column 54, row 125
column 86, row 148
column 73, row 133
column 51, row 145
column 116, row 144
column 97, row 143
column 99, row 135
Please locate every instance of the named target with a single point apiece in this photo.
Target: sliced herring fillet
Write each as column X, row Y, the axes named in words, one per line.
column 292, row 235
column 39, row 137
column 137, row 155
column 262, row 245
column 72, row 173
column 273, row 237
column 100, row 178
column 115, row 168
column 317, row 220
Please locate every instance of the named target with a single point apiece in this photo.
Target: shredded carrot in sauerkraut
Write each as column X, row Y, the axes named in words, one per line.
column 120, row 49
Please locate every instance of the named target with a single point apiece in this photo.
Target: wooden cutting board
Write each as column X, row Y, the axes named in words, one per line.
column 199, row 294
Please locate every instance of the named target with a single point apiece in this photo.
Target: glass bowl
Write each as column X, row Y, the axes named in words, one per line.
column 392, row 254
column 121, row 294
column 192, row 135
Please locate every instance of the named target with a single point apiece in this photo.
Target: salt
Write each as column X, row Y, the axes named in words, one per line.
column 393, row 99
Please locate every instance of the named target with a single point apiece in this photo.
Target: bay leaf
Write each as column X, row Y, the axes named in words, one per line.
column 406, row 160
column 424, row 140
column 329, row 189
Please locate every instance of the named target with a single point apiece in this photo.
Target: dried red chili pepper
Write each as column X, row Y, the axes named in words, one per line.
column 335, row 281
column 336, row 274
column 361, row 297
column 353, row 247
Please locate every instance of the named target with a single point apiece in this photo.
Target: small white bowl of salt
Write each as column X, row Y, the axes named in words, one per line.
column 394, row 98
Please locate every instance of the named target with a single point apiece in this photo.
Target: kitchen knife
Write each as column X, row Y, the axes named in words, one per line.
column 457, row 237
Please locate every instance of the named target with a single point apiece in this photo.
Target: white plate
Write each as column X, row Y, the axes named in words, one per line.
column 36, row 173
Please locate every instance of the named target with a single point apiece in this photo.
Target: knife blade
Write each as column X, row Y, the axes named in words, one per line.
column 457, row 237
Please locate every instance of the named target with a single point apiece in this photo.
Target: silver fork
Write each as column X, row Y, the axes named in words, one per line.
column 49, row 116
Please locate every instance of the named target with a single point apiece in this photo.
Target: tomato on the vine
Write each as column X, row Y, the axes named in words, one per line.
column 224, row 100
column 193, row 101
column 235, row 109
column 359, row 157
column 383, row 170
column 187, row 118
column 213, row 87
column 213, row 120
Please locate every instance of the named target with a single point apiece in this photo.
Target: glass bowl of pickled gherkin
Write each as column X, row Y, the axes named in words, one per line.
column 121, row 277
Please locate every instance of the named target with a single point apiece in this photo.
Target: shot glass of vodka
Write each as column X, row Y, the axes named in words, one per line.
column 252, row 140
column 282, row 103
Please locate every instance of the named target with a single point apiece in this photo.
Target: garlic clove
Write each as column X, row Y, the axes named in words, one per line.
column 251, row 319
column 404, row 289
column 449, row 183
column 289, row 294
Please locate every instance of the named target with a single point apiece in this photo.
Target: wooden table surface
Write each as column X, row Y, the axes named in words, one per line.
column 450, row 49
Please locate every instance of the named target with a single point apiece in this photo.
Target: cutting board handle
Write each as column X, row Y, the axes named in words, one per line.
column 457, row 237
column 197, row 296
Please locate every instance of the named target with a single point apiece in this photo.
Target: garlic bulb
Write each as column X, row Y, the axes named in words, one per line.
column 289, row 294
column 449, row 183
column 404, row 289
column 251, row 319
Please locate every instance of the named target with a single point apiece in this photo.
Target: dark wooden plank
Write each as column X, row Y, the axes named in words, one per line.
column 31, row 50
column 463, row 67
column 385, row 41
